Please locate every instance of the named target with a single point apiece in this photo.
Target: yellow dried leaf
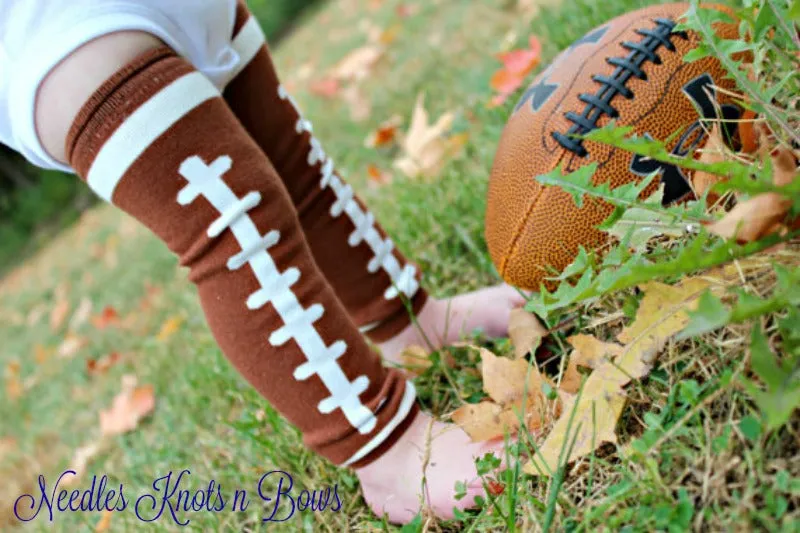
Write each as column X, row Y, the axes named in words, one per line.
column 415, row 359
column 104, row 523
column 35, row 315
column 358, row 64
column 110, row 257
column 784, row 167
column 714, row 151
column 525, row 331
column 358, row 103
column 596, row 415
column 389, row 35
column 588, row 352
column 385, row 134
column 516, row 388
column 128, row 408
column 12, row 368
column 169, row 328
column 70, row 346
column 484, row 421
column 81, row 314
column 425, row 147
column 8, row 445
column 59, row 314
column 41, row 354
column 377, row 177
column 325, row 87
column 101, row 366
column 662, row 313
column 752, row 219
column 508, row 381
column 79, row 461
column 14, row 388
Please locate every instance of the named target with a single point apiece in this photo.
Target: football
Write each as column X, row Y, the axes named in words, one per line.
column 630, row 70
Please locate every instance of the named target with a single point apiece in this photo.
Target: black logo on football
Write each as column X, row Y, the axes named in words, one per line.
column 702, row 94
column 538, row 94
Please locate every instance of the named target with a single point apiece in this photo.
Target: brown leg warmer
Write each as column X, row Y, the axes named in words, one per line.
column 159, row 141
column 370, row 276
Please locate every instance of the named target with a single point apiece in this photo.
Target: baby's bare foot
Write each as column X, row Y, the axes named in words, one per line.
column 442, row 322
column 441, row 453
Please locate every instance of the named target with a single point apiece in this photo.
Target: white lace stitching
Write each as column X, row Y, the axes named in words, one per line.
column 276, row 288
column 403, row 278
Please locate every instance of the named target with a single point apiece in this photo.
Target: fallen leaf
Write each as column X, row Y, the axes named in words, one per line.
column 425, row 146
column 7, row 446
column 358, row 64
column 406, row 10
column 515, row 386
column 389, row 35
column 508, row 381
column 752, row 219
column 747, row 132
column 13, row 368
column 169, row 328
column 59, row 314
column 304, row 71
column 385, row 134
column 104, row 523
column 107, row 317
column 714, row 151
column 528, row 8
column 151, row 293
column 588, row 352
column 96, row 367
column 128, row 408
column 662, row 313
column 81, row 314
column 35, row 315
column 517, row 64
column 326, row 87
column 41, row 354
column 357, row 102
column 14, row 386
column 784, row 166
column 70, row 346
column 525, row 331
column 378, row 177
column 80, row 460
column 369, row 28
column 596, row 415
column 495, row 488
column 484, row 421
column 522, row 61
column 415, row 359
column 110, row 258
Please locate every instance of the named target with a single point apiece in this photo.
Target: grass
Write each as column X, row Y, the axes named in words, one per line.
column 706, row 465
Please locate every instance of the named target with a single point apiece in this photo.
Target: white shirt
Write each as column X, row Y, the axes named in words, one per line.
column 35, row 35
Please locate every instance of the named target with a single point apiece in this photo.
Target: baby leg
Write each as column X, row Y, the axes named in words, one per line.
column 155, row 138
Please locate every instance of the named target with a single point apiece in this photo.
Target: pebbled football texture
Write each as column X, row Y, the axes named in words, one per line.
column 631, row 70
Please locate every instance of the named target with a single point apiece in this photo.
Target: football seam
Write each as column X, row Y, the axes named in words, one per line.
column 567, row 89
column 628, row 67
column 523, row 222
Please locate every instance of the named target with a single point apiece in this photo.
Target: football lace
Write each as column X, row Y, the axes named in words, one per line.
column 599, row 103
